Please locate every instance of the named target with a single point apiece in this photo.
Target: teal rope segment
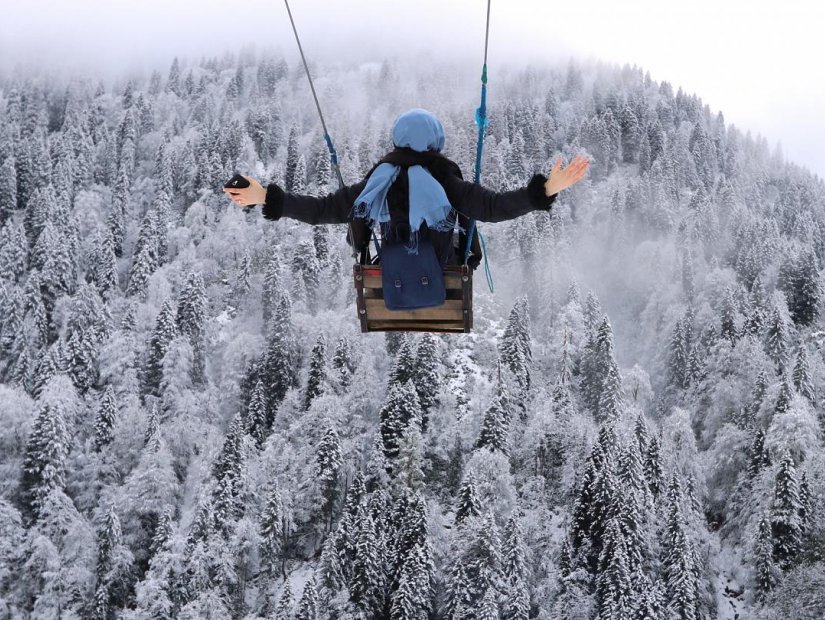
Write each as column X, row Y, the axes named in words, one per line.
column 487, row 271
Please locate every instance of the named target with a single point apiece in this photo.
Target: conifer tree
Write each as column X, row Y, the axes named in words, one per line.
column 776, row 337
column 729, row 331
column 766, row 573
column 515, row 347
column 8, row 189
column 801, row 282
column 496, row 423
column 327, row 467
column 256, row 416
column 786, row 394
column 802, row 374
column 308, row 606
column 272, row 289
column 614, row 585
column 151, row 438
column 191, row 318
column 679, row 568
column 279, row 372
column 468, row 504
column 482, row 561
column 163, row 334
column 273, row 534
column 285, row 603
column 112, row 569
column 343, row 362
column 678, row 356
column 404, row 367
column 103, row 268
column 610, row 399
column 317, row 372
column 517, row 598
column 399, row 411
column 291, row 160
column 367, row 581
column 105, row 419
column 758, row 457
column 786, row 527
column 163, row 533
column 44, row 465
column 13, row 252
column 426, row 377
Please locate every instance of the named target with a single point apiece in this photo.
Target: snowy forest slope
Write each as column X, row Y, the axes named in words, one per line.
column 193, row 426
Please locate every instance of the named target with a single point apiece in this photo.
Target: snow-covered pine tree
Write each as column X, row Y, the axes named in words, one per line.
column 515, row 348
column 105, row 418
column 316, row 379
column 327, row 468
column 776, row 339
column 765, row 571
column 784, row 514
column 367, row 582
column 802, row 375
column 274, row 531
column 399, row 411
column 291, row 160
column 403, row 368
column 256, row 414
column 426, row 376
column 343, row 363
column 308, row 605
column 165, row 330
column 191, row 321
column 495, row 424
column 517, row 597
column 468, row 504
column 44, row 464
column 681, row 595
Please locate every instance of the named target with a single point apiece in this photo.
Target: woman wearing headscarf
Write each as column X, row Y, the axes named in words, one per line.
column 412, row 191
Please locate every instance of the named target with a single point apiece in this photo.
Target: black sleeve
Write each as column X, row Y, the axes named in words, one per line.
column 334, row 208
column 479, row 203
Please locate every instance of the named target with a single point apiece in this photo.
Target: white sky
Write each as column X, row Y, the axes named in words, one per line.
column 758, row 62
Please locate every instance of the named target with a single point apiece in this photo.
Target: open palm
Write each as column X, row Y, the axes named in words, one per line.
column 560, row 179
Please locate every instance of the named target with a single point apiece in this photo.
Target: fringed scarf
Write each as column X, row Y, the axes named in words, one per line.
column 420, row 131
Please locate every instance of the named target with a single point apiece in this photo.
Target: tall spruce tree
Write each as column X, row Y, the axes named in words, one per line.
column 105, row 419
column 786, row 526
column 164, row 332
column 766, row 573
column 44, row 464
column 317, row 372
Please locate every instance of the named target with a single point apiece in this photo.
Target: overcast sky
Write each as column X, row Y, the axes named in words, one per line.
column 757, row 62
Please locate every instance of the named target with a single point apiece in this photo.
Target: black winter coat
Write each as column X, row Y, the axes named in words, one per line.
column 469, row 200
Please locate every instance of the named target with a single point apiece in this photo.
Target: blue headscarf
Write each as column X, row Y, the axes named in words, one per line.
column 421, row 131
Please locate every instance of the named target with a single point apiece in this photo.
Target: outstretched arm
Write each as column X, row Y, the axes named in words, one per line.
column 333, row 208
column 485, row 205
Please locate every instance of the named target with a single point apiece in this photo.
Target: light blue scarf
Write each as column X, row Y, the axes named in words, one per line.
column 421, row 131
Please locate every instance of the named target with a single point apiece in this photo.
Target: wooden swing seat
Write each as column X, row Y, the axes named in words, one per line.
column 455, row 315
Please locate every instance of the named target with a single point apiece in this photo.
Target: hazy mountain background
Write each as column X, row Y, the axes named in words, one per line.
column 193, row 426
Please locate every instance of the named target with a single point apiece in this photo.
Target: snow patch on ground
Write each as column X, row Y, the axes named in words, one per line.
column 730, row 589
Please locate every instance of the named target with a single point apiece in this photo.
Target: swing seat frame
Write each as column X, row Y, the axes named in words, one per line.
column 455, row 315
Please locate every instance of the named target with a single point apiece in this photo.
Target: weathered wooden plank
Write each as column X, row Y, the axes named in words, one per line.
column 450, row 310
column 374, row 281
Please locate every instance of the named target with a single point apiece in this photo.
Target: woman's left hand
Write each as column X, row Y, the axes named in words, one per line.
column 560, row 179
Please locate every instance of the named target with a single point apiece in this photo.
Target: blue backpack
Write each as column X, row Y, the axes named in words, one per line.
column 412, row 281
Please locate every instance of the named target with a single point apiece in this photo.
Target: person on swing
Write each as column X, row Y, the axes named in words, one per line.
column 414, row 194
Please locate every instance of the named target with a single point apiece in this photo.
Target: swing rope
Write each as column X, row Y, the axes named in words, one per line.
column 482, row 121
column 333, row 155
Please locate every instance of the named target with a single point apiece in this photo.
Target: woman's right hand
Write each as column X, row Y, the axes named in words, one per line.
column 255, row 194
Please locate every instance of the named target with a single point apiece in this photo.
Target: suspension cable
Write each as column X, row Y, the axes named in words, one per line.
column 482, row 121
column 333, row 155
